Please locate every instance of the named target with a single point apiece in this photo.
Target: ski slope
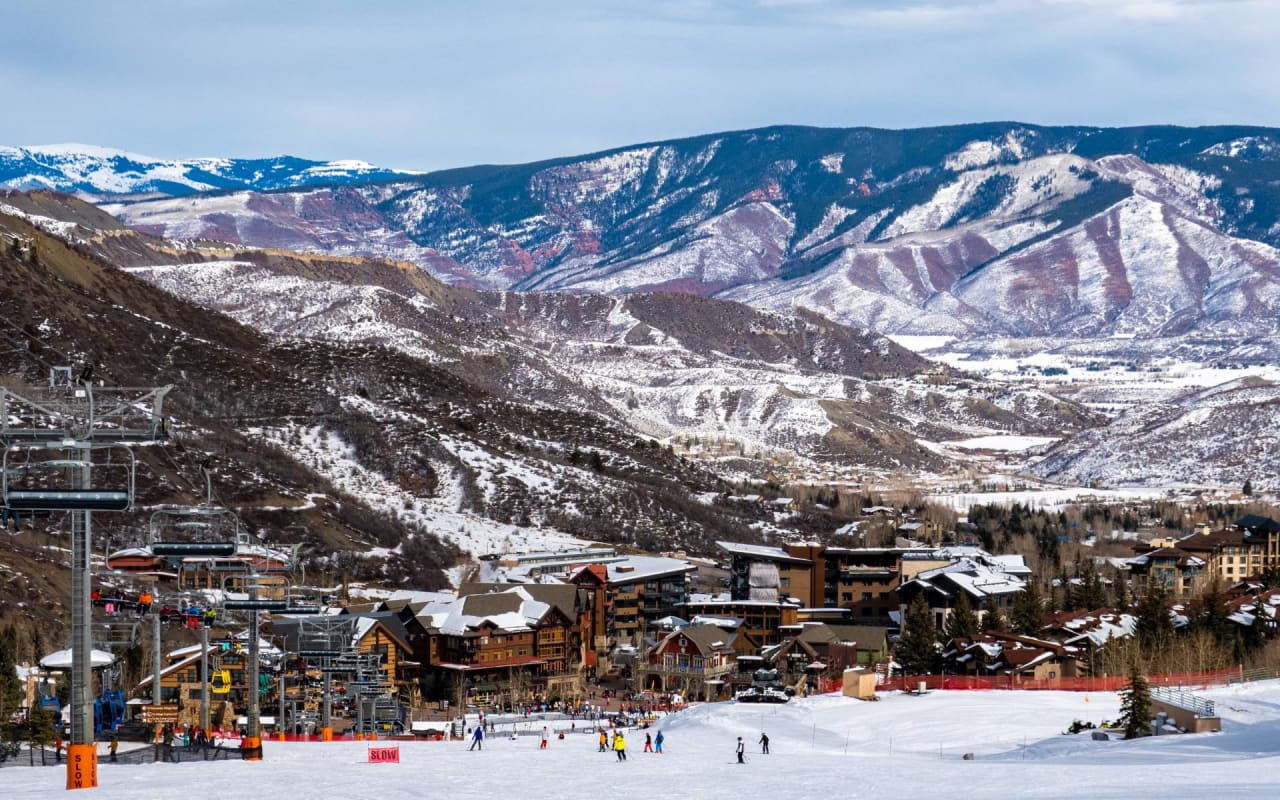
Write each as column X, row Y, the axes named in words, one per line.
column 901, row 747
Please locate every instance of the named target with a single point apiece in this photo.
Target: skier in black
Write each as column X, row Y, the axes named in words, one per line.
column 740, row 751
column 764, row 743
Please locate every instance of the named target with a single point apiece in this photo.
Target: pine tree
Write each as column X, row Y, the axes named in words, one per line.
column 961, row 622
column 1247, row 489
column 1135, row 707
column 993, row 621
column 1027, row 615
column 917, row 648
column 10, row 688
column 1153, row 625
column 1210, row 614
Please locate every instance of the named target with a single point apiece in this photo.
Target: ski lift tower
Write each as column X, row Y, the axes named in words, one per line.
column 255, row 605
column 56, row 439
column 324, row 641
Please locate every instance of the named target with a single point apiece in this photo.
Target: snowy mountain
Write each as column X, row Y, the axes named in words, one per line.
column 92, row 170
column 1219, row 436
column 967, row 230
column 665, row 365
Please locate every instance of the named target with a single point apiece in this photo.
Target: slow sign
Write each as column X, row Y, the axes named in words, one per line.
column 384, row 755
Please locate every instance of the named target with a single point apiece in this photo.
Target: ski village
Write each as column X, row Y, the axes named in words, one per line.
column 742, row 399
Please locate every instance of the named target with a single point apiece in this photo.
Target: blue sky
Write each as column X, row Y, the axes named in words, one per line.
column 428, row 85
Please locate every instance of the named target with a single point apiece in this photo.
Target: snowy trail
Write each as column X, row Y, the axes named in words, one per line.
column 900, row 747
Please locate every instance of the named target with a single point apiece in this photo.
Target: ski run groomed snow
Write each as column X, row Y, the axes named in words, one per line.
column 903, row 746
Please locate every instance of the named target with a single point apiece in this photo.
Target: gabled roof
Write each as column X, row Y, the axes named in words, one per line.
column 974, row 578
column 513, row 610
column 707, row 638
column 564, row 596
column 1180, row 557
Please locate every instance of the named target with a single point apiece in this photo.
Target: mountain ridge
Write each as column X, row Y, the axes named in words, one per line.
column 968, row 230
column 105, row 171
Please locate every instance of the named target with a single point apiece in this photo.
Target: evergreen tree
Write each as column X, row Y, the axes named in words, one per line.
column 917, row 648
column 993, row 621
column 1027, row 615
column 1247, row 489
column 10, row 688
column 1135, row 707
column 1210, row 614
column 1093, row 593
column 1153, row 625
column 961, row 622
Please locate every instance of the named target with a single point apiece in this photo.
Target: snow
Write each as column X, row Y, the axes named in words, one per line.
column 443, row 515
column 903, row 746
column 1044, row 498
column 1009, row 443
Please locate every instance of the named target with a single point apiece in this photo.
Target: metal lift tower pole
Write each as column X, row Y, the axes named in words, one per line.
column 204, row 679
column 81, row 630
column 254, row 733
column 155, row 658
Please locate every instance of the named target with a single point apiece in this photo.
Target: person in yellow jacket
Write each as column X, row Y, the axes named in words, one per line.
column 604, row 740
column 620, row 746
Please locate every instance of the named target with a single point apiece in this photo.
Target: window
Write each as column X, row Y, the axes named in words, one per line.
column 846, row 596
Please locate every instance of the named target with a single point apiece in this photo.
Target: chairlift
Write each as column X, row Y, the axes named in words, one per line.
column 194, row 531
column 39, row 477
column 220, row 682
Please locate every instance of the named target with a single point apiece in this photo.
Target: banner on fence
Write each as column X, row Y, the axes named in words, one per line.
column 384, row 755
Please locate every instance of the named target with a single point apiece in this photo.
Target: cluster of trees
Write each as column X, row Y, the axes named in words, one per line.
column 1208, row 640
column 919, row 648
column 37, row 728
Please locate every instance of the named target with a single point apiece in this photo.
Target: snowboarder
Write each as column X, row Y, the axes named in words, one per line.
column 648, row 742
column 657, row 742
column 764, row 743
column 620, row 746
column 477, row 739
column 740, row 751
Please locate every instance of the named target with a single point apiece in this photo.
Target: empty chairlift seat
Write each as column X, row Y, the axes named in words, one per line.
column 69, row 477
column 194, row 532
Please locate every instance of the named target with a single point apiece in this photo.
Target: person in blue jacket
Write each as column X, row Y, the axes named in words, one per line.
column 477, row 739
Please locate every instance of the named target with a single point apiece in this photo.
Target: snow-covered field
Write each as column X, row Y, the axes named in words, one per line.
column 1048, row 499
column 825, row 747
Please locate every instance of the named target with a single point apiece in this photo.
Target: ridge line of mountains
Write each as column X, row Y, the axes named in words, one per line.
column 1153, row 240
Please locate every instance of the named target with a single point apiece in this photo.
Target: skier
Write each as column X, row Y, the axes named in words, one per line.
column 648, row 742
column 657, row 743
column 603, row 741
column 740, row 751
column 764, row 743
column 477, row 739
column 543, row 746
column 620, row 746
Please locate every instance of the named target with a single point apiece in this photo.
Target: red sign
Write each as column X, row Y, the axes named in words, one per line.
column 384, row 755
